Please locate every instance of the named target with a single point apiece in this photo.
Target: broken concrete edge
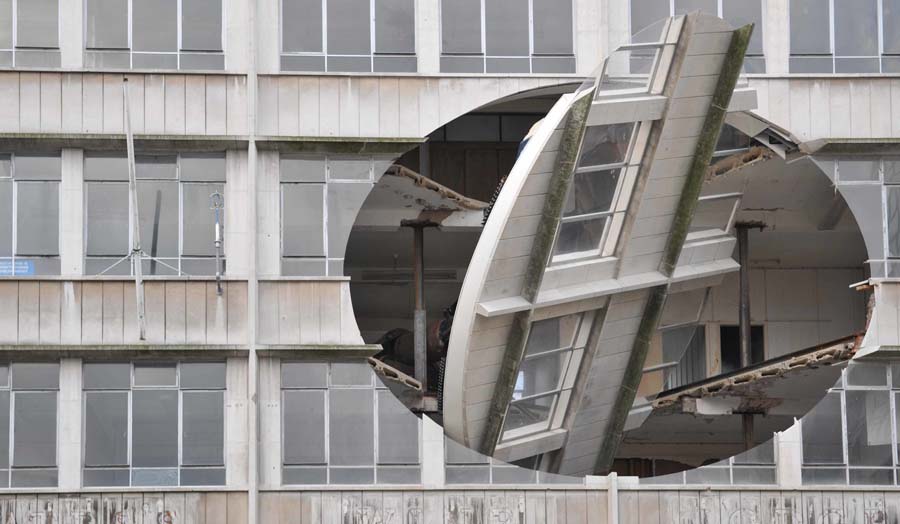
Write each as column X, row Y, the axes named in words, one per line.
column 831, row 353
column 442, row 190
column 706, row 145
column 541, row 251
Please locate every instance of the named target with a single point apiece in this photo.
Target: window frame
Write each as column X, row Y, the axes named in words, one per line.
column 14, row 184
column 175, row 263
column 485, row 57
column 15, row 49
column 325, row 55
column 179, row 39
column 180, row 388
column 561, row 394
column 375, row 387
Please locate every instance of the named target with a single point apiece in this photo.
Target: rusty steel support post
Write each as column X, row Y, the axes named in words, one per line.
column 747, row 423
column 744, row 301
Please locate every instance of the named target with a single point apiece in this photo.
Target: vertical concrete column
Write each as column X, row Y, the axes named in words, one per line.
column 428, row 36
column 68, row 454
column 270, row 422
column 71, row 43
column 71, row 213
column 268, row 217
column 433, row 473
column 592, row 37
column 789, row 457
column 268, row 47
column 237, row 49
column 237, row 214
column 236, row 437
column 776, row 35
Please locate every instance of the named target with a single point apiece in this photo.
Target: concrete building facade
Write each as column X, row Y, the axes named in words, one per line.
column 249, row 398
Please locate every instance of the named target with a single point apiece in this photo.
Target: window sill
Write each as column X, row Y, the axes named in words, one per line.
column 531, row 445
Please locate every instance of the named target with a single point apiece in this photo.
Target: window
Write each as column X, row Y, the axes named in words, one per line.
column 176, row 215
column 317, row 190
column 153, row 424
column 646, row 13
column 341, row 426
column 592, row 200
column 466, row 466
column 506, row 36
column 29, row 214
column 684, row 346
column 29, row 33
column 28, row 400
column 154, row 34
column 348, row 35
column 546, row 374
column 850, row 436
column 730, row 339
column 831, row 36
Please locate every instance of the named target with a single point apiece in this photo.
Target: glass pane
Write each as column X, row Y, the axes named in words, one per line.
column 103, row 167
column 35, row 478
column 810, row 27
column 37, row 23
column 158, row 206
column 202, row 168
column 6, row 218
column 351, row 427
column 37, row 214
column 302, row 219
column 506, row 27
column 106, row 24
column 38, row 167
column 105, row 428
column 742, row 12
column 869, row 428
column 461, row 26
column 155, row 167
column 890, row 14
column 203, row 420
column 459, row 454
column 352, row 475
column 683, row 7
column 35, row 375
column 107, row 219
column 605, row 144
column 4, row 430
column 304, row 375
column 878, row 477
column 580, row 236
column 304, row 427
column 395, row 26
column 893, row 221
column 764, row 476
column 154, row 375
column 6, row 30
column 106, row 477
column 301, row 26
column 199, row 220
column 534, row 411
column 591, row 192
column 552, row 27
column 302, row 168
column 822, row 434
column 201, row 25
column 294, row 475
column 824, row 476
column 202, row 477
column 351, row 374
column 154, row 477
column 398, row 431
column 858, row 170
column 856, row 28
column 348, row 27
column 761, row 454
column 866, row 374
column 541, row 374
column 552, row 333
column 395, row 475
column 349, row 168
column 203, row 375
column 708, row 475
column 154, row 433
column 644, row 13
column 468, row 474
column 507, row 475
column 34, row 423
column 154, row 25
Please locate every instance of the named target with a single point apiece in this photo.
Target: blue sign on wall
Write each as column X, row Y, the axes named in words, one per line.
column 9, row 268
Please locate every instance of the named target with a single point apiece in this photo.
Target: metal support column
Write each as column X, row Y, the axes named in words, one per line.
column 743, row 238
column 419, row 315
